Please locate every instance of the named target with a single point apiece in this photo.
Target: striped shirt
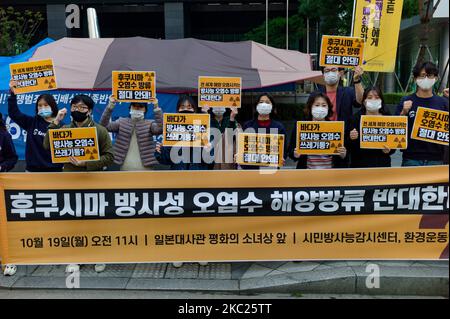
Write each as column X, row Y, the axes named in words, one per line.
column 319, row 162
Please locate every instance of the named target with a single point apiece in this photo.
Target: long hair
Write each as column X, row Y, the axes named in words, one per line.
column 379, row 93
column 273, row 114
column 186, row 98
column 312, row 98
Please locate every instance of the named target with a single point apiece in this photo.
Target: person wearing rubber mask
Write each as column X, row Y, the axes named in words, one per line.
column 342, row 98
column 373, row 104
column 319, row 108
column 134, row 148
column 264, row 122
column 223, row 126
column 420, row 153
column 37, row 158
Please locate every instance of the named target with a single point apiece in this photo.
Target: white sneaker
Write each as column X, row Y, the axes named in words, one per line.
column 10, row 270
column 203, row 263
column 73, row 268
column 99, row 267
column 177, row 264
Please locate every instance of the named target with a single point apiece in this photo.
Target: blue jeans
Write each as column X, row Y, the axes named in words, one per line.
column 411, row 162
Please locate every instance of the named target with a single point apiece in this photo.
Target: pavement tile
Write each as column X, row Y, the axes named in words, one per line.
column 149, row 270
column 256, row 271
column 291, row 267
column 187, row 271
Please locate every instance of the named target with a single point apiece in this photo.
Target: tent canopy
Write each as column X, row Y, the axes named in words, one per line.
column 88, row 63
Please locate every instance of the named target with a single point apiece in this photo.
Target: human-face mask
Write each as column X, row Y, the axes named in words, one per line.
column 373, row 105
column 219, row 111
column 137, row 114
column 79, row 117
column 45, row 112
column 426, row 84
column 264, row 108
column 319, row 112
column 331, row 78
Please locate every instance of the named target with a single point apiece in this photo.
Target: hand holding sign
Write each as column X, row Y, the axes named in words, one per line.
column 358, row 73
column 342, row 151
column 77, row 162
column 13, row 86
column 205, row 108
column 446, row 94
column 386, row 150
column 234, row 113
column 112, row 101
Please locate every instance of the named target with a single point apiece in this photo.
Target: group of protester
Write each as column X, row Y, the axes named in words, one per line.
column 136, row 149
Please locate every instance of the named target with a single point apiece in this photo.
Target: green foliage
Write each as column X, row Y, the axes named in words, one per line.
column 410, row 8
column 393, row 98
column 17, row 29
column 291, row 111
column 277, row 32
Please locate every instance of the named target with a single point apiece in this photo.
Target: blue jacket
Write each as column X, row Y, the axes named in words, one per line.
column 37, row 158
column 8, row 156
column 190, row 164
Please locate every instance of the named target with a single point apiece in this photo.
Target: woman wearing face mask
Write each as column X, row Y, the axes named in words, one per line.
column 134, row 148
column 223, row 128
column 373, row 104
column 264, row 123
column 420, row 153
column 319, row 108
column 37, row 158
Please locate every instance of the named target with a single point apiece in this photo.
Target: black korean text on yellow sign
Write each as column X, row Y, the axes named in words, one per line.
column 319, row 137
column 181, row 129
column 134, row 86
column 33, row 76
column 341, row 51
column 378, row 132
column 80, row 143
column 431, row 126
column 219, row 91
column 260, row 149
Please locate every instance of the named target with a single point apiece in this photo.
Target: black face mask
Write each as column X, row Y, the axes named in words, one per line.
column 79, row 116
column 186, row 111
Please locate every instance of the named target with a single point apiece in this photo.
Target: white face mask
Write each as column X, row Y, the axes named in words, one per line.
column 319, row 112
column 331, row 78
column 137, row 115
column 218, row 110
column 264, row 108
column 425, row 84
column 373, row 105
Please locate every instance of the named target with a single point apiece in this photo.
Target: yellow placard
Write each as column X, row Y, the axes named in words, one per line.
column 134, row 86
column 341, row 51
column 431, row 126
column 378, row 23
column 379, row 131
column 34, row 76
column 219, row 91
column 129, row 217
column 81, row 143
column 181, row 129
column 319, row 137
column 260, row 149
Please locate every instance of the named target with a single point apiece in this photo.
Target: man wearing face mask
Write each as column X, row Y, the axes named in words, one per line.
column 420, row 153
column 222, row 138
column 81, row 108
column 342, row 98
column 134, row 147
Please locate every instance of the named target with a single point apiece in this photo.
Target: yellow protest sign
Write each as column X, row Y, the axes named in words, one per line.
column 260, row 149
column 379, row 131
column 378, row 23
column 33, row 76
column 319, row 137
column 431, row 126
column 341, row 51
column 180, row 129
column 219, row 91
column 80, row 143
column 134, row 86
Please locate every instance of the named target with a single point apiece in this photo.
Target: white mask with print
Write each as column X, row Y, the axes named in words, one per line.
column 319, row 112
column 373, row 105
column 264, row 108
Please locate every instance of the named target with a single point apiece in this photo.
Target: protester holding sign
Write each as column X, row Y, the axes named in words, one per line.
column 37, row 158
column 223, row 125
column 263, row 123
column 319, row 108
column 179, row 157
column 373, row 104
column 8, row 155
column 421, row 153
column 134, row 147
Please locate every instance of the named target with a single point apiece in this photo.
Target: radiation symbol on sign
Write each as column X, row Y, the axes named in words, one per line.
column 94, row 151
column 88, row 151
column 403, row 140
column 92, row 157
column 46, row 81
column 399, row 146
column 231, row 99
column 238, row 99
column 396, row 139
column 234, row 104
column 340, row 145
column 333, row 145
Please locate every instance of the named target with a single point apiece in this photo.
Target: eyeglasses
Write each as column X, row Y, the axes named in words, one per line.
column 423, row 76
column 79, row 107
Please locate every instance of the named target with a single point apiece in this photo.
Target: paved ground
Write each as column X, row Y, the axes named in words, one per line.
column 421, row 278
